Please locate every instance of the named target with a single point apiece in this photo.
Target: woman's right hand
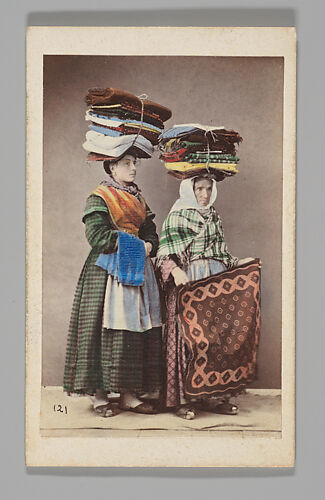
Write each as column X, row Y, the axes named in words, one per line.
column 180, row 276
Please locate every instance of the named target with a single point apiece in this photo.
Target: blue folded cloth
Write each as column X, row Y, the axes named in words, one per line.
column 108, row 261
column 105, row 131
column 178, row 130
column 127, row 264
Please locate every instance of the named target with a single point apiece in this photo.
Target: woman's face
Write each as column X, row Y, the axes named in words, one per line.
column 124, row 170
column 202, row 191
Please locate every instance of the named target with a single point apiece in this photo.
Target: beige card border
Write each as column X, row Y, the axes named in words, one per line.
column 156, row 451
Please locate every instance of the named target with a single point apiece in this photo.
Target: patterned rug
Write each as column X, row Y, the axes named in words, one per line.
column 219, row 318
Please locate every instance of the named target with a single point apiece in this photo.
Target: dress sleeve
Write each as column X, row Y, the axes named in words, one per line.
column 148, row 233
column 166, row 266
column 99, row 228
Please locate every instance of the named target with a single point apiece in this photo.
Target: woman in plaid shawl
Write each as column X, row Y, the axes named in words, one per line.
column 192, row 246
column 114, row 342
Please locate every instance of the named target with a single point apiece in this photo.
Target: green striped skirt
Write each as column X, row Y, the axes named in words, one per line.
column 131, row 361
column 98, row 358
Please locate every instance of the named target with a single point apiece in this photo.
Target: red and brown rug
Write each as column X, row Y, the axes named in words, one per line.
column 220, row 320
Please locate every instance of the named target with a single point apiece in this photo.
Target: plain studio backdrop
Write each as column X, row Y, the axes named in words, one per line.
column 240, row 93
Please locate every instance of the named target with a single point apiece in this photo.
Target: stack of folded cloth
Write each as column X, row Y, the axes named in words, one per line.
column 119, row 122
column 189, row 149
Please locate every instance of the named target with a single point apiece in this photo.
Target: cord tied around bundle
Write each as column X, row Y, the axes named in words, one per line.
column 142, row 98
column 208, row 145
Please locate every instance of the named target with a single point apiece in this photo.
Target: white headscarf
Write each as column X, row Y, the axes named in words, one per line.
column 187, row 197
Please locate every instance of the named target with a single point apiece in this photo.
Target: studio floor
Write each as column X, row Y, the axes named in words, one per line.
column 61, row 415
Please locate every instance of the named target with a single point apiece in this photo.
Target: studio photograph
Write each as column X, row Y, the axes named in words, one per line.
column 163, row 210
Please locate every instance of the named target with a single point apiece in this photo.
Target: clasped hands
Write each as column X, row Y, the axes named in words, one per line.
column 148, row 248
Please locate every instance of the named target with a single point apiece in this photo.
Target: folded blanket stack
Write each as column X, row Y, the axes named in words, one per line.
column 119, row 122
column 189, row 149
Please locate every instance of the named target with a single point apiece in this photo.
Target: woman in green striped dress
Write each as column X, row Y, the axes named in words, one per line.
column 114, row 341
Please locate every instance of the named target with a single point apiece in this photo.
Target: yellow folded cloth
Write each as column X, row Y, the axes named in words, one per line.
column 143, row 127
column 184, row 166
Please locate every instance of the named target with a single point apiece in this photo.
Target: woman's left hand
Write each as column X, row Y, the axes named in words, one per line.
column 241, row 262
column 148, row 248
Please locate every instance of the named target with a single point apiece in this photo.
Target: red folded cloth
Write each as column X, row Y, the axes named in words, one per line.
column 128, row 130
column 148, row 117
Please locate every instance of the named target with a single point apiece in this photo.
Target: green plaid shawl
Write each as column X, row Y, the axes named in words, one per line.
column 191, row 234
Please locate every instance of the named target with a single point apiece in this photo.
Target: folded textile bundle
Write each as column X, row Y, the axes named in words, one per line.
column 110, row 96
column 189, row 149
column 115, row 114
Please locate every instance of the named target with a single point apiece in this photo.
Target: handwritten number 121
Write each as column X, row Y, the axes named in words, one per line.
column 60, row 409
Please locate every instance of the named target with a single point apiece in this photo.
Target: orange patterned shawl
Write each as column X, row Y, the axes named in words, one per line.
column 127, row 211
